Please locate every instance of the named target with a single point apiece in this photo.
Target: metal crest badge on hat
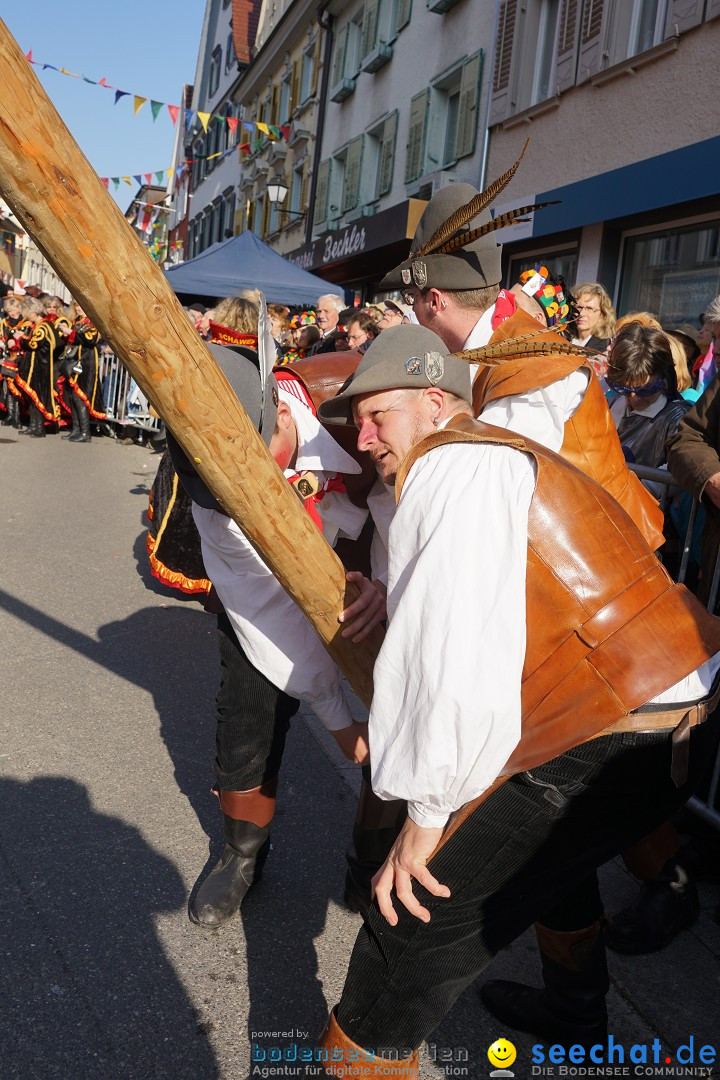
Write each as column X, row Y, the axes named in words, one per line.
column 419, row 273
column 414, row 366
column 406, row 276
column 434, row 367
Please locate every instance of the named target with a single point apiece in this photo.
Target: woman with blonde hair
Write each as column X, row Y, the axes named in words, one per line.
column 595, row 320
column 237, row 313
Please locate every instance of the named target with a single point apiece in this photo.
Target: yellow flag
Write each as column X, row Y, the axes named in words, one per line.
column 127, row 180
column 204, row 118
column 262, row 127
column 139, row 102
column 170, row 171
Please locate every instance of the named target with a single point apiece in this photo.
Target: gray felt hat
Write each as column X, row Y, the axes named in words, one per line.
column 476, row 266
column 408, row 357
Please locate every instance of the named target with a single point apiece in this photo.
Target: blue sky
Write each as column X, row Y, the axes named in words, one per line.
column 147, row 47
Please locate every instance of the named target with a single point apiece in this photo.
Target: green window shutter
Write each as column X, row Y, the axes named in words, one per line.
column 387, row 154
column 316, row 63
column 468, row 106
column 351, row 182
column 321, row 192
column 402, row 13
column 339, row 64
column 369, row 28
column 416, row 137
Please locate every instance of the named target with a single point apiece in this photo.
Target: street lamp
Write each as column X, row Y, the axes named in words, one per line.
column 277, row 194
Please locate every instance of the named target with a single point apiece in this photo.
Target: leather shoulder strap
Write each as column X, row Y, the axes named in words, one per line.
column 460, row 429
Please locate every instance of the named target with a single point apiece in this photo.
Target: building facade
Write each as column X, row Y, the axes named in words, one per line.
column 623, row 133
column 404, row 115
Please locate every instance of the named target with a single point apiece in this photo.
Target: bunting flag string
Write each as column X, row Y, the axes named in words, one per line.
column 161, row 175
column 270, row 131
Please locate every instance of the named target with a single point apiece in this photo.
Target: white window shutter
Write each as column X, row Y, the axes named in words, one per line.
column 500, row 102
column 592, row 39
column 567, row 50
column 682, row 15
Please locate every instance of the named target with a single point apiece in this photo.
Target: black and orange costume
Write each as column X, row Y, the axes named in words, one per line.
column 10, row 395
column 82, row 372
column 173, row 542
column 39, row 371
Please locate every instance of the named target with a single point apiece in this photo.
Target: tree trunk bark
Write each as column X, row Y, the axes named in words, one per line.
column 55, row 193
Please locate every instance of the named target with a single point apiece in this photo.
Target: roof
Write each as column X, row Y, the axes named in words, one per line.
column 245, row 18
column 245, row 262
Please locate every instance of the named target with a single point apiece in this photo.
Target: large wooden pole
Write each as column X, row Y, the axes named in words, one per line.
column 54, row 192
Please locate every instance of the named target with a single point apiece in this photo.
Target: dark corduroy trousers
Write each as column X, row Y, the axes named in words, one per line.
column 253, row 718
column 528, row 854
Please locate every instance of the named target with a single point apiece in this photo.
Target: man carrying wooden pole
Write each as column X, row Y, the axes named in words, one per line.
column 54, row 192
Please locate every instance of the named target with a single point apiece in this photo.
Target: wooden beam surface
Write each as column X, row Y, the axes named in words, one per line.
column 56, row 195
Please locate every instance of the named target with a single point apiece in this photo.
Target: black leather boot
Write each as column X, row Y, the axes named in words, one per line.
column 375, row 830
column 661, row 909
column 37, row 423
column 223, row 890
column 571, row 1008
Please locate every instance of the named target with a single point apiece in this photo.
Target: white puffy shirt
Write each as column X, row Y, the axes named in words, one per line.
column 275, row 635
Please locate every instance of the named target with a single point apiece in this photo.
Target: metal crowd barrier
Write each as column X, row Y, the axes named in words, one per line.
column 663, row 486
column 125, row 404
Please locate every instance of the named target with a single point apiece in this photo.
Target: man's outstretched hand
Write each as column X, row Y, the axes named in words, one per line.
column 407, row 860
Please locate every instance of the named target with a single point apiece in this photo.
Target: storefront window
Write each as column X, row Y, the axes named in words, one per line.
column 674, row 273
column 561, row 263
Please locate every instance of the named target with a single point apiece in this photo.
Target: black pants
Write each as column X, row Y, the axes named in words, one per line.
column 528, row 854
column 253, row 718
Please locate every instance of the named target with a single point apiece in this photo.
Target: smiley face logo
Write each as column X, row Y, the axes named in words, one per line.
column 502, row 1054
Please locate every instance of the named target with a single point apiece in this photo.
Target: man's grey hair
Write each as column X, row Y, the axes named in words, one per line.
column 334, row 301
column 712, row 313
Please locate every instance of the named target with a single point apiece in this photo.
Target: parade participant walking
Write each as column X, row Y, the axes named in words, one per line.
column 628, row 661
column 14, row 328
column 38, row 371
column 270, row 655
column 82, row 370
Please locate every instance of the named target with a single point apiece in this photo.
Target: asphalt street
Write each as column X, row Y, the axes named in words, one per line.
column 106, row 822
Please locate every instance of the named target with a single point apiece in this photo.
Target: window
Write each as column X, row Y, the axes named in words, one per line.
column 453, row 116
column 297, row 193
column 561, row 263
column 214, row 75
column 229, row 52
column 228, row 216
column 307, row 76
column 674, row 272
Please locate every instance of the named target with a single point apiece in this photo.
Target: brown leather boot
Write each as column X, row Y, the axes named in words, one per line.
column 246, row 820
column 334, row 1038
column 571, row 1006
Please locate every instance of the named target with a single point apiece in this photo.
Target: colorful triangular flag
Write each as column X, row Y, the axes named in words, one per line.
column 127, row 180
column 105, row 180
column 232, row 123
column 204, row 118
column 173, row 110
column 155, row 107
column 119, row 94
column 148, row 177
column 138, row 103
column 28, row 56
column 116, row 181
column 159, row 175
column 138, row 179
column 262, row 127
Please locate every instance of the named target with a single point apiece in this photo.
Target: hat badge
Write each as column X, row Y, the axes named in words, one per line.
column 419, row 273
column 414, row 366
column 434, row 367
column 406, row 276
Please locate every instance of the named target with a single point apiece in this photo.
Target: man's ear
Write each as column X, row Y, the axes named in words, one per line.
column 284, row 415
column 436, row 299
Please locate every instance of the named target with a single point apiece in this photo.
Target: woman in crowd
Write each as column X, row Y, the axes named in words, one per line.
column 279, row 325
column 595, row 320
column 645, row 403
column 305, row 334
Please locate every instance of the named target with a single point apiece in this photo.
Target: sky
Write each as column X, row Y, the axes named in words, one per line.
column 146, row 47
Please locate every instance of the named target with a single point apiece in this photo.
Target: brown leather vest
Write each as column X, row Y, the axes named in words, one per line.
column 607, row 628
column 591, row 442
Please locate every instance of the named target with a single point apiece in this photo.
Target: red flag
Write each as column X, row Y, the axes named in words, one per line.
column 173, row 110
column 28, row 57
column 148, row 177
column 105, row 182
column 232, row 123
